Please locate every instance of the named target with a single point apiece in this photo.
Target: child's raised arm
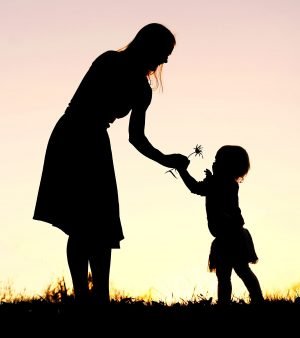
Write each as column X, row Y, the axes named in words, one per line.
column 195, row 187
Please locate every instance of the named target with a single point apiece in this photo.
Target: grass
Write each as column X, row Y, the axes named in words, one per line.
column 55, row 308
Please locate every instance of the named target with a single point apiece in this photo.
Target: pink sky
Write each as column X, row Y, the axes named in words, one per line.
column 233, row 79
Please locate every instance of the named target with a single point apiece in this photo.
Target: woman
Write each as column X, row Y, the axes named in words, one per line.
column 78, row 191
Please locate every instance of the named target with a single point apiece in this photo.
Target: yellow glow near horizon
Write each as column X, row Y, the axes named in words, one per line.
column 233, row 78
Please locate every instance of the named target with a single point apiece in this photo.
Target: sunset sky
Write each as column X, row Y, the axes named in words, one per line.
column 233, row 78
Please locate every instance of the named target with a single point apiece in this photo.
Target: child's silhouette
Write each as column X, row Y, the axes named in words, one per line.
column 232, row 247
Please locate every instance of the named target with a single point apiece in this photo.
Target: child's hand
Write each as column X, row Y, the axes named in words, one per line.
column 184, row 164
column 208, row 173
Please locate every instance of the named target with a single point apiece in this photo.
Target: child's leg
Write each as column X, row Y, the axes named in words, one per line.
column 251, row 282
column 100, row 260
column 78, row 265
column 223, row 272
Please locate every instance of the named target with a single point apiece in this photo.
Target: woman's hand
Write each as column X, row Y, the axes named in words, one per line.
column 176, row 161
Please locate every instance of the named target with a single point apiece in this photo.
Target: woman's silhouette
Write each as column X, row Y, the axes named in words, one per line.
column 78, row 191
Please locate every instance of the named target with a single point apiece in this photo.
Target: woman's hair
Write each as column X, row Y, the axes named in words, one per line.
column 233, row 161
column 152, row 39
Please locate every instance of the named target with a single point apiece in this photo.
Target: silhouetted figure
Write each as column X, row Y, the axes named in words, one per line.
column 232, row 247
column 78, row 191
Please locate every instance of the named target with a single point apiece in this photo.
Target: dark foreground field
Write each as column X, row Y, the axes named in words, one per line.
column 139, row 319
column 54, row 314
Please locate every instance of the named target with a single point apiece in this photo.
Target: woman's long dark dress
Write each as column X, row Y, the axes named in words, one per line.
column 78, row 191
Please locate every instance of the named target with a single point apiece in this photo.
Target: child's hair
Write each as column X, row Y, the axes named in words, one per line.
column 233, row 161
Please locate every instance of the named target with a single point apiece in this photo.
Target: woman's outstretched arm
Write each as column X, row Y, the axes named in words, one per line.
column 139, row 140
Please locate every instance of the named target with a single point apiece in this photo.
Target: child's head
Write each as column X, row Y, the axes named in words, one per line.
column 232, row 161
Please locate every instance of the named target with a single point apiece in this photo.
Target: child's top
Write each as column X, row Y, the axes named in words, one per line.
column 222, row 205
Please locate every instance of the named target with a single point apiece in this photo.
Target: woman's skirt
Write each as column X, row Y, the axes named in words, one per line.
column 78, row 190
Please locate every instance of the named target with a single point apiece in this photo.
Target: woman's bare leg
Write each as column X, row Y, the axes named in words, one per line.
column 100, row 261
column 78, row 264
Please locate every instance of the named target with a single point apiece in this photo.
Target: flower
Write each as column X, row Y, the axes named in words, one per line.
column 198, row 151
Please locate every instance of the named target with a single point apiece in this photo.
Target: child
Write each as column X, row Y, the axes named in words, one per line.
column 232, row 247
